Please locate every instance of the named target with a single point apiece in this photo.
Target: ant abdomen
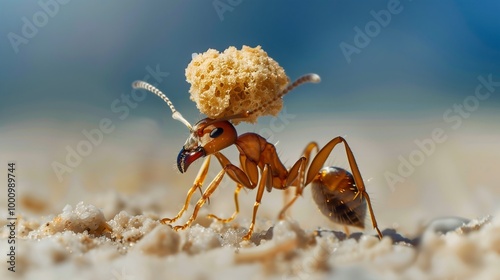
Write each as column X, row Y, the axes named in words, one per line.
column 336, row 195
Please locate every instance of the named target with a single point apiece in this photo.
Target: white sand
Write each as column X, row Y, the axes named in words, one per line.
column 129, row 182
column 81, row 243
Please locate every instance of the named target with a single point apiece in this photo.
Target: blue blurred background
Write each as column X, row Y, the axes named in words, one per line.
column 77, row 58
column 87, row 54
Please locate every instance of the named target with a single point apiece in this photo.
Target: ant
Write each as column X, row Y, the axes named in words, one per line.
column 340, row 195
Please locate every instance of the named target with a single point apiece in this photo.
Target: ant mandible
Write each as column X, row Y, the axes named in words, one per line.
column 340, row 195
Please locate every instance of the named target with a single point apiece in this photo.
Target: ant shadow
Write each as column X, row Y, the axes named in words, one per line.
column 341, row 236
column 389, row 232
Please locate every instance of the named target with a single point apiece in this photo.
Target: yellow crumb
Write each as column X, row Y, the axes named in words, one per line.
column 235, row 81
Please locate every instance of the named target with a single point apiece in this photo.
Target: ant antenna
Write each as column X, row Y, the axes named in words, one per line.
column 308, row 78
column 175, row 114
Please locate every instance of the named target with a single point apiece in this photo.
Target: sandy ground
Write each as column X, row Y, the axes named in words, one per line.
column 101, row 220
column 80, row 242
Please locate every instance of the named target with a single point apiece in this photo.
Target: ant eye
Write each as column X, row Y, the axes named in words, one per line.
column 216, row 132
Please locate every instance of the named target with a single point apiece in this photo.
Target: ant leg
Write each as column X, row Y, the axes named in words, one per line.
column 361, row 185
column 297, row 172
column 198, row 182
column 264, row 180
column 319, row 161
column 287, row 197
column 236, row 192
column 296, row 169
column 347, row 231
column 210, row 189
column 370, row 210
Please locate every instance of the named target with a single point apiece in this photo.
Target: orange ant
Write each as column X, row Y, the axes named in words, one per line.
column 335, row 190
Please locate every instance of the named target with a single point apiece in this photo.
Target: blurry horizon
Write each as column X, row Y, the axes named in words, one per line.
column 427, row 57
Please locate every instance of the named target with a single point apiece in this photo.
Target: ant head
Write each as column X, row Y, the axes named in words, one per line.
column 207, row 137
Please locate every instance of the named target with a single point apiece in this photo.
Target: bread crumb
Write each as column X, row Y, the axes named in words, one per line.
column 236, row 81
